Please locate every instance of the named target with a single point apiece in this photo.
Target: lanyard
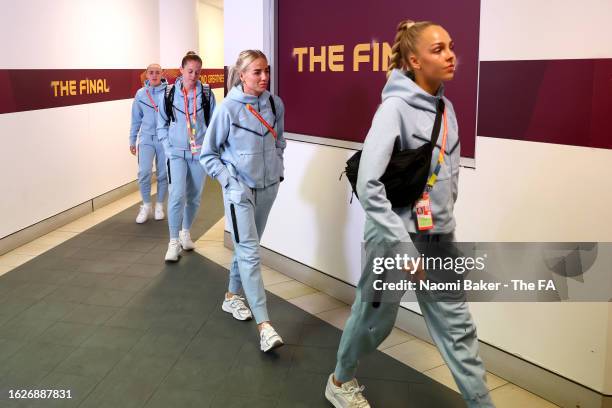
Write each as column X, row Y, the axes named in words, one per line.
column 152, row 101
column 262, row 120
column 191, row 130
column 434, row 175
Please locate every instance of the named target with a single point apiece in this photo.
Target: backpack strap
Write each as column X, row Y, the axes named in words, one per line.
column 206, row 102
column 272, row 105
column 169, row 101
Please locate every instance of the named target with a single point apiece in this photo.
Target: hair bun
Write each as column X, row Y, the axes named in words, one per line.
column 405, row 25
column 191, row 53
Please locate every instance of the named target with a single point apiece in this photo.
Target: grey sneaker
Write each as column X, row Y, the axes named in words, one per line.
column 349, row 395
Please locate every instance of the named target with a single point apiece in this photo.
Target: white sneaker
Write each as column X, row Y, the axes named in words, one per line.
column 269, row 339
column 144, row 213
column 348, row 396
column 159, row 211
column 185, row 239
column 174, row 250
column 235, row 305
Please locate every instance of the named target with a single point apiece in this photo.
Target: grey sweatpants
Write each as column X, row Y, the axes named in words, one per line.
column 450, row 325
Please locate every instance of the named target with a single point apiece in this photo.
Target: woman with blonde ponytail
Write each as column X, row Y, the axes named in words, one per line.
column 243, row 150
column 422, row 59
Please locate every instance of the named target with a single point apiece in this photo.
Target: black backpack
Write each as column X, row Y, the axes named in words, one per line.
column 169, row 101
column 407, row 171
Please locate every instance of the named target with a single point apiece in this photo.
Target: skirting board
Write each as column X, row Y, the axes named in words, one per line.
column 28, row 234
column 538, row 380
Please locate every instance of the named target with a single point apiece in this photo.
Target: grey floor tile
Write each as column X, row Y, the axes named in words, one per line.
column 23, row 330
column 8, row 348
column 313, row 359
column 111, row 393
column 145, row 270
column 37, row 356
column 172, row 397
column 180, row 321
column 302, row 389
column 33, row 290
column 233, row 401
column 197, row 374
column 91, row 314
column 163, row 343
column 89, row 280
column 90, row 362
column 133, row 318
column 108, row 297
column 114, row 338
column 320, row 335
column 103, row 266
column 254, row 380
column 215, row 348
column 67, row 334
column 73, row 294
column 47, row 310
column 147, row 369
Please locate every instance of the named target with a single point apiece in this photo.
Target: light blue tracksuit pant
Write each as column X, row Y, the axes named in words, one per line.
column 147, row 152
column 186, row 178
column 247, row 213
column 450, row 325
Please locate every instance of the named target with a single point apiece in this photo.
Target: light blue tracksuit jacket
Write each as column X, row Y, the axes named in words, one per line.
column 185, row 174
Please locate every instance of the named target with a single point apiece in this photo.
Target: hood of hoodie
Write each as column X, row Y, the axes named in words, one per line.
column 162, row 84
column 238, row 95
column 401, row 85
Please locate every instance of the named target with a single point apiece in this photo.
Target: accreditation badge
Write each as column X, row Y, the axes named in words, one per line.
column 423, row 213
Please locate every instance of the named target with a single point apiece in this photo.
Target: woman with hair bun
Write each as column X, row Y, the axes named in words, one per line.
column 184, row 112
column 422, row 59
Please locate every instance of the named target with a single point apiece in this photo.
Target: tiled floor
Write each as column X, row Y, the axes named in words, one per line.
column 91, row 307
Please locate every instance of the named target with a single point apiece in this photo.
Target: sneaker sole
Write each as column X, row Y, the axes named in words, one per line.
column 173, row 260
column 233, row 315
column 275, row 345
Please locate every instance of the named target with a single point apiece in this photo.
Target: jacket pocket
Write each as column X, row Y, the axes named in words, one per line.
column 274, row 166
column 251, row 167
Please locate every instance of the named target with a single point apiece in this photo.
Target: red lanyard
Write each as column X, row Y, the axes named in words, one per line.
column 187, row 116
column 262, row 120
column 152, row 101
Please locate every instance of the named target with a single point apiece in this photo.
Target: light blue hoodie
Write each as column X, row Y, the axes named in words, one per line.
column 407, row 112
column 144, row 117
column 173, row 135
column 238, row 140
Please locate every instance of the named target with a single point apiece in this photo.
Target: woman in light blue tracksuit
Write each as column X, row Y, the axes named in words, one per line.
column 243, row 150
column 422, row 59
column 144, row 121
column 181, row 128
